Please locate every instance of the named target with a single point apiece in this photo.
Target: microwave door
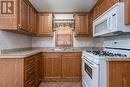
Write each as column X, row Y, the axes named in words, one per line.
column 102, row 27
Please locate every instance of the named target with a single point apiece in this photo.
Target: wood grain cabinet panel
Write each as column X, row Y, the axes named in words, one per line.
column 118, row 74
column 24, row 15
column 102, row 6
column 11, row 73
column 82, row 24
column 71, row 66
column 22, row 20
column 61, row 66
column 127, row 11
column 52, row 66
column 20, row 72
column 38, row 69
column 45, row 24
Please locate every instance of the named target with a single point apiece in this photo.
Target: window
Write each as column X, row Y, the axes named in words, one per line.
column 63, row 26
column 64, row 36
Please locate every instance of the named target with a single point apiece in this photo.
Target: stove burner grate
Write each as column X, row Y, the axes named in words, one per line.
column 106, row 53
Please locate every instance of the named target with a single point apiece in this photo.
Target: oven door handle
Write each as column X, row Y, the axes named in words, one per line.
column 92, row 65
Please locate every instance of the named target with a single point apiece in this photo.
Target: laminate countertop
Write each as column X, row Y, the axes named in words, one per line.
column 14, row 54
column 29, row 52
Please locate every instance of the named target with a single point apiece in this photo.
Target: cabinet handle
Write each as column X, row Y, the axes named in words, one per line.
column 30, row 83
column 31, row 72
column 20, row 26
column 24, row 29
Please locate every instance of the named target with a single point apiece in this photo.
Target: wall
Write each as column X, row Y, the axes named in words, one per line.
column 9, row 40
column 78, row 42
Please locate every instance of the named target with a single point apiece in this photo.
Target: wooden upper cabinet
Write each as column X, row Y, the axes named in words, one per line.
column 21, row 19
column 32, row 20
column 45, row 24
column 82, row 24
column 102, row 6
column 24, row 14
column 8, row 21
column 127, row 11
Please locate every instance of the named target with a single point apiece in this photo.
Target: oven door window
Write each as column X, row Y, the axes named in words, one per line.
column 88, row 70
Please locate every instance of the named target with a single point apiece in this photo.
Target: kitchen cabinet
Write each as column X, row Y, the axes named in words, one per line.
column 45, row 24
column 20, row 72
column 71, row 66
column 29, row 71
column 24, row 14
column 51, row 66
column 127, row 11
column 118, row 74
column 82, row 24
column 102, row 6
column 61, row 66
column 28, row 18
column 38, row 69
column 22, row 18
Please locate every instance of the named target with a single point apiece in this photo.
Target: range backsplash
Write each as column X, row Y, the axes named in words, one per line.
column 77, row 42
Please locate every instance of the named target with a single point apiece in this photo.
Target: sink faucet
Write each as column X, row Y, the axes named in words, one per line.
column 64, row 45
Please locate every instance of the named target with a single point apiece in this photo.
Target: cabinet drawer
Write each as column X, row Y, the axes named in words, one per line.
column 29, row 62
column 74, row 55
column 29, row 73
column 30, row 82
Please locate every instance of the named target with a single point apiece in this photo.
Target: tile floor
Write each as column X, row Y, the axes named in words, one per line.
column 61, row 84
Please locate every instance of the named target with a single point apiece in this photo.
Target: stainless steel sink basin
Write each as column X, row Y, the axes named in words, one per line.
column 56, row 49
column 62, row 49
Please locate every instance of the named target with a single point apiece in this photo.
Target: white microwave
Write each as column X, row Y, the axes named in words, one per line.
column 111, row 22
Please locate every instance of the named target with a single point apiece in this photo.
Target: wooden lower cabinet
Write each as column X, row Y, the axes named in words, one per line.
column 118, row 74
column 61, row 66
column 71, row 66
column 38, row 69
column 51, row 66
column 127, row 12
column 20, row 72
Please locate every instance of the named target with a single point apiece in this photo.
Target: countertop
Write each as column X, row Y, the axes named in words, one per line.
column 110, row 59
column 29, row 52
column 14, row 54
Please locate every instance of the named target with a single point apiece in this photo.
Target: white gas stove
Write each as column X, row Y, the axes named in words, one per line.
column 94, row 65
column 95, row 56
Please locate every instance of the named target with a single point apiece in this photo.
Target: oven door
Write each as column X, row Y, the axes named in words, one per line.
column 90, row 73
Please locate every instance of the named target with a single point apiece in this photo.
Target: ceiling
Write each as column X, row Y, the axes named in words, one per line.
column 63, row 5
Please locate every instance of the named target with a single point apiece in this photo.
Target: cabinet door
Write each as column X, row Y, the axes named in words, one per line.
column 45, row 24
column 127, row 11
column 51, row 66
column 71, row 66
column 24, row 15
column 35, row 22
column 38, row 69
column 118, row 74
column 81, row 24
column 102, row 6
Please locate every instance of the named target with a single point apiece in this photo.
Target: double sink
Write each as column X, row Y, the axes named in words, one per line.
column 63, row 49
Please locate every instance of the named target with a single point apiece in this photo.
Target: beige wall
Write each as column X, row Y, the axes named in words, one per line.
column 9, row 40
column 78, row 42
